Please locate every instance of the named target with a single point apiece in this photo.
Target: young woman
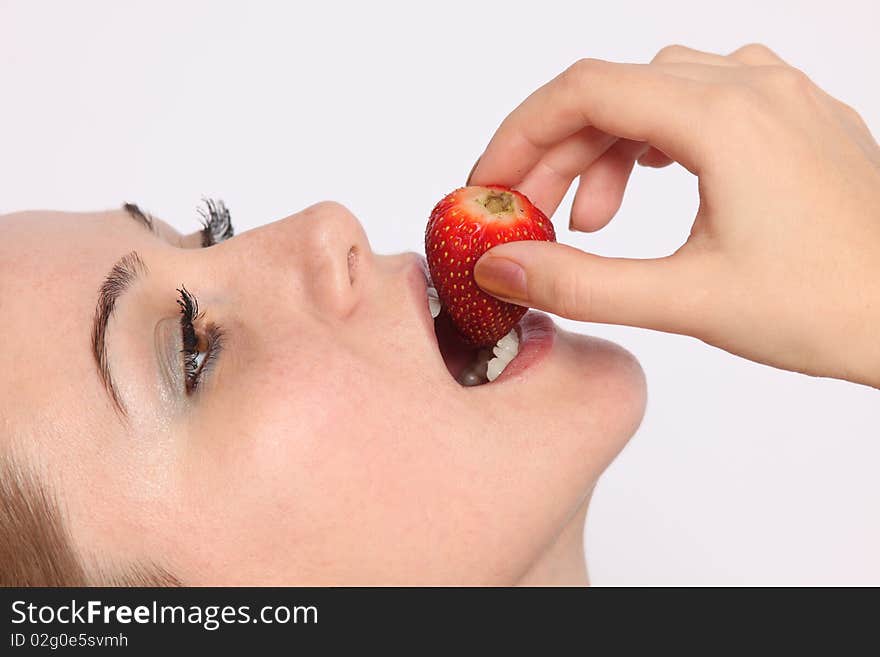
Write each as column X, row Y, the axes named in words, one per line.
column 273, row 408
column 300, row 426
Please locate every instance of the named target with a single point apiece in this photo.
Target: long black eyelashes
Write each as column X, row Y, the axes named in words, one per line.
column 200, row 355
column 196, row 361
column 189, row 313
column 214, row 217
column 216, row 222
column 139, row 215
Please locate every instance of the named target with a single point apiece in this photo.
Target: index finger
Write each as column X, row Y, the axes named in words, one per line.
column 639, row 102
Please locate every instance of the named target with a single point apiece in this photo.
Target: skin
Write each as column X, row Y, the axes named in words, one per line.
column 782, row 265
column 329, row 445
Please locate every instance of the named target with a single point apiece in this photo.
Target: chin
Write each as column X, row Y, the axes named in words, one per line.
column 599, row 385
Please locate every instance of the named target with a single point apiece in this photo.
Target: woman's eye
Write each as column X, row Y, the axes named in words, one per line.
column 199, row 349
column 194, row 358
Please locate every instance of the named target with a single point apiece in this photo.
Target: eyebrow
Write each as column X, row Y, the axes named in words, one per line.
column 121, row 277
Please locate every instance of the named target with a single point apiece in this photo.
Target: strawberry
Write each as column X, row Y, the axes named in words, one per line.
column 462, row 227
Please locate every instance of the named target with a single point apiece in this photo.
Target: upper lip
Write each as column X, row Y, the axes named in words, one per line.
column 419, row 281
column 422, row 263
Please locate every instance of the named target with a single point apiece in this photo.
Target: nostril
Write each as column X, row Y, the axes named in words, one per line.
column 353, row 257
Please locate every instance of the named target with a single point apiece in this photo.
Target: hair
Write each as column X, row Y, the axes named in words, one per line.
column 35, row 546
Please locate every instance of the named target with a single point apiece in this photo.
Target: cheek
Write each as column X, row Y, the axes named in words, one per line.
column 341, row 479
column 292, row 463
column 348, row 468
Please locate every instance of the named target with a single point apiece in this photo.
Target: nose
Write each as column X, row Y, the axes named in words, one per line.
column 321, row 251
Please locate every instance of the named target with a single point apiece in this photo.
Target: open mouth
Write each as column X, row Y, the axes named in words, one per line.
column 468, row 365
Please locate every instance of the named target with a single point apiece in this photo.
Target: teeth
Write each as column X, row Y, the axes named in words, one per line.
column 508, row 346
column 433, row 302
column 471, row 378
column 505, row 350
column 475, row 373
column 496, row 367
column 490, row 363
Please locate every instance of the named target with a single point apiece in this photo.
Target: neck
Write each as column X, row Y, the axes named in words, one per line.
column 563, row 562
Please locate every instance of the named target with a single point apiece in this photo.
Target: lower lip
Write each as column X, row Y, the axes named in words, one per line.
column 536, row 335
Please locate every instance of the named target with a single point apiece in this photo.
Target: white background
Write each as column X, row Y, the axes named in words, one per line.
column 740, row 474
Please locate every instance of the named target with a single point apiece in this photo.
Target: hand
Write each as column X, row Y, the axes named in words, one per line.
column 782, row 265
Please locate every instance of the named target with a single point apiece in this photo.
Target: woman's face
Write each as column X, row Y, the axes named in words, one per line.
column 325, row 440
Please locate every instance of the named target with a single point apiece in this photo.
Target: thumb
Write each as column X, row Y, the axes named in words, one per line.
column 570, row 283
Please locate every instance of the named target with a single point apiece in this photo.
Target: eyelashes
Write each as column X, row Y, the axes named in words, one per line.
column 189, row 313
column 201, row 341
column 216, row 227
column 213, row 215
column 216, row 222
column 140, row 216
column 199, row 350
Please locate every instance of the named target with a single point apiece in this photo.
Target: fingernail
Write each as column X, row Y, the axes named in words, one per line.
column 501, row 277
column 471, row 174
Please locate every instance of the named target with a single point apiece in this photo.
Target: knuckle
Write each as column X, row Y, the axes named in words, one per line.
column 581, row 69
column 671, row 53
column 756, row 50
column 786, row 79
column 850, row 112
column 573, row 80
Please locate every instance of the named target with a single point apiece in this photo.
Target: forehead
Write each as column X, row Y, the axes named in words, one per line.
column 53, row 253
column 38, row 247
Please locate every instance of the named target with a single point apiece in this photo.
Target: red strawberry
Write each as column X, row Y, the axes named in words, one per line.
column 462, row 227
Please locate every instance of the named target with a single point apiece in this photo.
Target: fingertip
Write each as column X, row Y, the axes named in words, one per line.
column 593, row 210
column 654, row 159
column 584, row 222
column 584, row 217
column 601, row 188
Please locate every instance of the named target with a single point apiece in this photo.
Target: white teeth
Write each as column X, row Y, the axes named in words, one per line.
column 496, row 367
column 505, row 350
column 490, row 363
column 507, row 346
column 433, row 302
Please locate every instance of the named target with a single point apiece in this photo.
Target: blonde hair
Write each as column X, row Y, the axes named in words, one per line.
column 35, row 547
